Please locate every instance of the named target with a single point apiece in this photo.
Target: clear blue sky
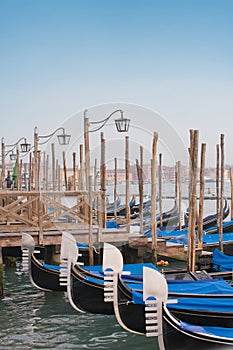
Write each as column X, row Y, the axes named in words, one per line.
column 173, row 56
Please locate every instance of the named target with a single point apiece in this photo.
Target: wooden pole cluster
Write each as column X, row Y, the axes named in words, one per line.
column 193, row 158
column 153, row 198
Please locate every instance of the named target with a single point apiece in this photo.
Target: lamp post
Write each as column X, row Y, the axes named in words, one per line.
column 122, row 125
column 63, row 139
column 25, row 146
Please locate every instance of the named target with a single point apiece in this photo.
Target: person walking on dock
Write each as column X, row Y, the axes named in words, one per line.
column 9, row 181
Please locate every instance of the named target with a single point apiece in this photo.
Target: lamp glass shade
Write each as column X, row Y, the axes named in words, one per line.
column 63, row 139
column 25, row 147
column 13, row 156
column 122, row 124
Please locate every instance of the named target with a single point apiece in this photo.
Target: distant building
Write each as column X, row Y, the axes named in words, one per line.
column 110, row 175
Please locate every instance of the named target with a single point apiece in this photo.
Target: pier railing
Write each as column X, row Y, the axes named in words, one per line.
column 39, row 211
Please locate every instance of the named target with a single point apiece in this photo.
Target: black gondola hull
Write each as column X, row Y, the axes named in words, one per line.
column 45, row 278
column 89, row 296
column 176, row 338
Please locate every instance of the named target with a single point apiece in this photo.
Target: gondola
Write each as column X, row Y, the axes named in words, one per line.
column 86, row 287
column 170, row 218
column 180, row 335
column 211, row 220
column 109, row 206
column 42, row 275
column 210, row 240
column 171, row 332
column 221, row 262
column 202, row 302
column 45, row 276
column 227, row 227
column 48, row 277
column 88, row 292
column 121, row 209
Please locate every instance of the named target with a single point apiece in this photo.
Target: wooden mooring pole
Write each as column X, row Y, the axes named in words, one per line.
column 140, row 187
column 153, row 198
column 53, row 166
column 217, row 182
column 103, row 180
column 178, row 192
column 160, row 191
column 3, row 174
column 1, row 274
column 221, row 193
column 231, row 180
column 74, row 171
column 90, row 221
column 115, row 188
column 127, row 192
column 192, row 201
column 64, row 169
column 201, row 199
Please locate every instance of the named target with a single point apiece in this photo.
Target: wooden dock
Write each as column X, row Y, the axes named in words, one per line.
column 45, row 217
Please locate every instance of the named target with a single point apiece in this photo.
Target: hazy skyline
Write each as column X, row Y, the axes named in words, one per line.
column 174, row 57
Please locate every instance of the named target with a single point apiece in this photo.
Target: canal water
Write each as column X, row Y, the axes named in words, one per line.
column 34, row 319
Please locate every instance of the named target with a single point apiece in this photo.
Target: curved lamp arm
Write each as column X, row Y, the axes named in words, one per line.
column 16, row 143
column 63, row 138
column 30, row 149
column 122, row 123
column 24, row 145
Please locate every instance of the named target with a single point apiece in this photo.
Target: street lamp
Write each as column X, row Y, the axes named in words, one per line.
column 122, row 124
column 63, row 138
column 25, row 146
column 13, row 156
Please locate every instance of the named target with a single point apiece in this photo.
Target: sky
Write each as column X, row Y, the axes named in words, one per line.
column 173, row 57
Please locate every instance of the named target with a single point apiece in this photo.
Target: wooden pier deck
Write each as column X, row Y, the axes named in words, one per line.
column 45, row 217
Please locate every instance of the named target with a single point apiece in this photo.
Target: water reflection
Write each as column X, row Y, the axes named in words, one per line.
column 34, row 319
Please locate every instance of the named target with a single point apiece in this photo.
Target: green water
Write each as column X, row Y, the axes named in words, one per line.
column 34, row 319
